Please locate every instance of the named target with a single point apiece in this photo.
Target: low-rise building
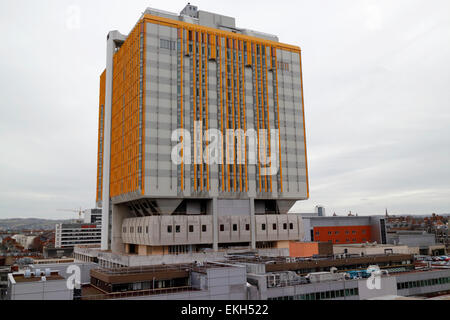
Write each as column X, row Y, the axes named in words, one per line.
column 423, row 241
column 365, row 249
column 67, row 235
column 345, row 229
column 38, row 285
column 203, row 281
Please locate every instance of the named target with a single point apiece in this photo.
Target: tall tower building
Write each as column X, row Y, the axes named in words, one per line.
column 201, row 136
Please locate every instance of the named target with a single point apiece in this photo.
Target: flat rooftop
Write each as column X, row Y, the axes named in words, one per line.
column 90, row 292
column 20, row 278
column 153, row 272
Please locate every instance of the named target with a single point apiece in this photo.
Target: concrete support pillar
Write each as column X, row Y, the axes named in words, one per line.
column 113, row 40
column 215, row 225
column 119, row 213
column 252, row 222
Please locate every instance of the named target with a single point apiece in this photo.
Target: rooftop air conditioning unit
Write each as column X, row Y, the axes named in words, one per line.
column 37, row 272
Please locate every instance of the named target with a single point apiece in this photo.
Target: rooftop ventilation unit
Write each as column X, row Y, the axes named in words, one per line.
column 48, row 272
column 27, row 273
column 37, row 272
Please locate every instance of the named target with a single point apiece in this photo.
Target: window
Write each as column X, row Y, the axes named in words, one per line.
column 177, row 229
column 284, row 226
column 124, row 229
column 336, row 232
column 364, row 232
column 317, row 233
column 167, row 44
column 139, row 229
column 146, row 229
column 354, row 231
column 247, row 227
column 263, row 226
column 274, row 226
column 291, row 226
column 346, row 232
column 191, row 228
column 222, row 227
column 204, row 228
column 329, row 233
column 234, row 227
column 131, row 229
column 169, row 229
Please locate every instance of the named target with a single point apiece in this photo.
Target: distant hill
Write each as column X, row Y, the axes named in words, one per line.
column 29, row 223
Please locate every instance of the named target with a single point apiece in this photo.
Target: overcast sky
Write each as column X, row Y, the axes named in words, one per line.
column 376, row 85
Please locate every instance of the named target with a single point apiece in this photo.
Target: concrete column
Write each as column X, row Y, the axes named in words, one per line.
column 215, row 225
column 119, row 213
column 252, row 222
column 113, row 38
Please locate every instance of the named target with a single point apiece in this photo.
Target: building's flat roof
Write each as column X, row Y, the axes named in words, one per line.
column 91, row 292
column 153, row 272
column 20, row 278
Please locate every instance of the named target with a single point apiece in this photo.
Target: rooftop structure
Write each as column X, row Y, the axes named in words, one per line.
column 38, row 284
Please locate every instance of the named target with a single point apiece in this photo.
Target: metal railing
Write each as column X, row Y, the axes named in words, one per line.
column 138, row 293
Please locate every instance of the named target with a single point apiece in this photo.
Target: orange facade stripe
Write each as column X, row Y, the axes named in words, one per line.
column 143, row 114
column 206, row 107
column 101, row 133
column 262, row 105
column 255, row 69
column 268, row 115
column 226, row 112
column 232, row 110
column 181, row 31
column 200, row 98
column 245, row 119
column 194, row 65
column 221, row 111
column 239, row 113
column 125, row 116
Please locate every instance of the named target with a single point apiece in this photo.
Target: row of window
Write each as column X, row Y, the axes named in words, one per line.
column 323, row 295
column 422, row 283
column 275, row 226
column 169, row 229
column 346, row 240
column 337, row 232
column 204, row 228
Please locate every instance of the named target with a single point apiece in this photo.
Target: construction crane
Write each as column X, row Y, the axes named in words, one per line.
column 79, row 211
